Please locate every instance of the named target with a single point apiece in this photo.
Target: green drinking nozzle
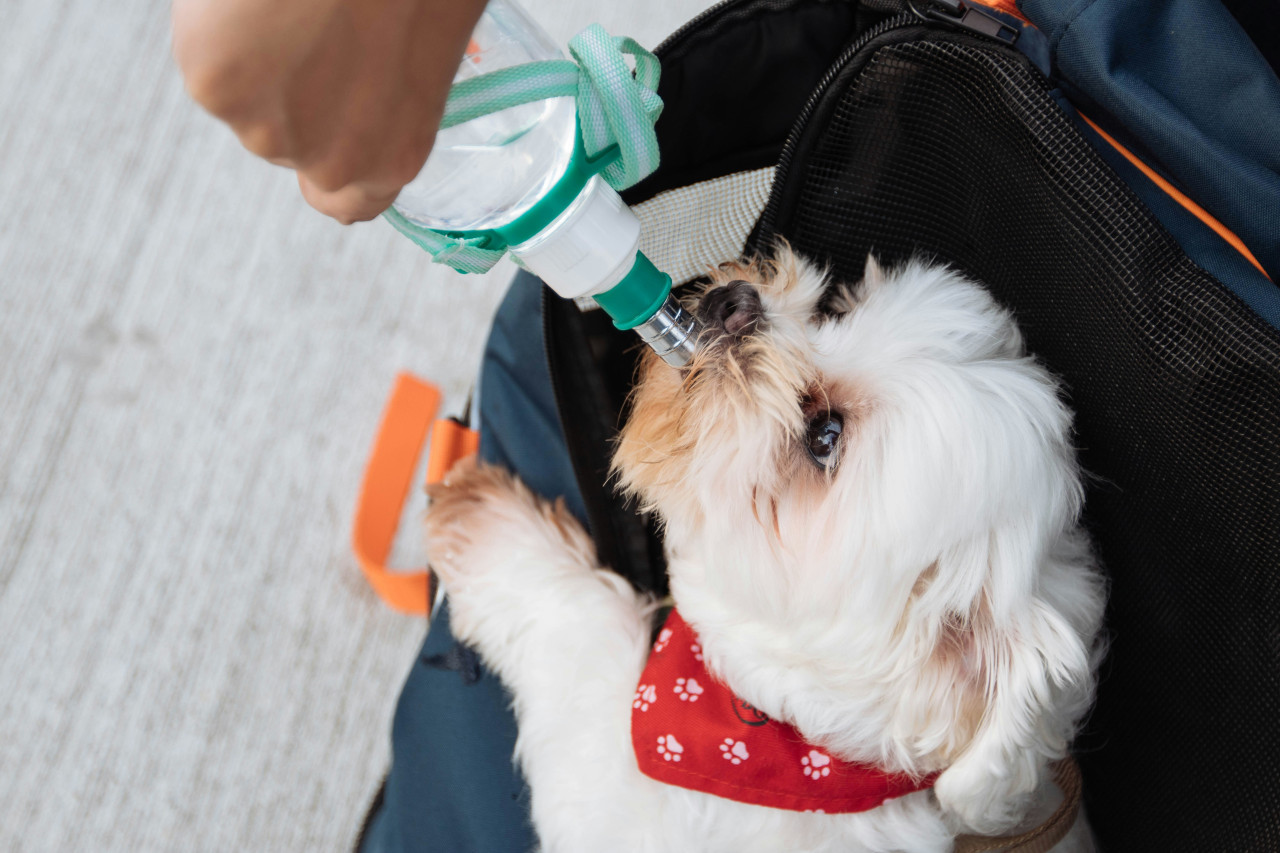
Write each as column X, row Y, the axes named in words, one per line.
column 642, row 301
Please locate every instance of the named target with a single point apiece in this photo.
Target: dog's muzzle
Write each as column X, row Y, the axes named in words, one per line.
column 734, row 310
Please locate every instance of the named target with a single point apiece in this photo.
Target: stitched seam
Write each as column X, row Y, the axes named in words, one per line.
column 1075, row 15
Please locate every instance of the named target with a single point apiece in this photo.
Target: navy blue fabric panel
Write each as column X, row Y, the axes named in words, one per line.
column 1200, row 242
column 1182, row 77
column 452, row 784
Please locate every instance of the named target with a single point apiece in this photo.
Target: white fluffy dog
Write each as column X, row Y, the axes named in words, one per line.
column 870, row 509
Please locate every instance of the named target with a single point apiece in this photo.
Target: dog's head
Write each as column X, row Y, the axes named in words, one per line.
column 870, row 502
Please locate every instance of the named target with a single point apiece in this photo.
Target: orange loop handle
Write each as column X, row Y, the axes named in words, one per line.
column 388, row 476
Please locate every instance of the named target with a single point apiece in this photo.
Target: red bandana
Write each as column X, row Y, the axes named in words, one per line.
column 689, row 730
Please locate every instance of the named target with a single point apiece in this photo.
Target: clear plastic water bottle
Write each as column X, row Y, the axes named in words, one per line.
column 486, row 172
column 490, row 174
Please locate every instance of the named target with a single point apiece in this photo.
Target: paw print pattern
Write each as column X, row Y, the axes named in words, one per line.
column 669, row 748
column 816, row 765
column 646, row 695
column 664, row 637
column 688, row 689
column 734, row 751
column 697, row 651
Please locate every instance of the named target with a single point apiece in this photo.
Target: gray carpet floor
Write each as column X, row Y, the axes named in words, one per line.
column 193, row 365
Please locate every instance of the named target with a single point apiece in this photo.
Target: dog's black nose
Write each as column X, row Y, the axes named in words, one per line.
column 735, row 308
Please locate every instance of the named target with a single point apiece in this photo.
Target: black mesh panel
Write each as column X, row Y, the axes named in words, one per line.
column 953, row 148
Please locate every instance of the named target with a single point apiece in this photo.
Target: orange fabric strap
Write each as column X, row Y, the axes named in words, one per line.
column 1174, row 193
column 388, row 475
column 1009, row 7
column 451, row 442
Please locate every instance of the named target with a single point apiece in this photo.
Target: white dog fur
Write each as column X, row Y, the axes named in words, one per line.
column 929, row 604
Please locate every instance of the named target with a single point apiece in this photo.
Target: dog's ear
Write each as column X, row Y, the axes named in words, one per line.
column 1030, row 664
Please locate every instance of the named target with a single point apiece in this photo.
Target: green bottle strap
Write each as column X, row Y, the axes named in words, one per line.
column 616, row 111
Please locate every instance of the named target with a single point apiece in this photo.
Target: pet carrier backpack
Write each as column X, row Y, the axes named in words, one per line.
column 1111, row 171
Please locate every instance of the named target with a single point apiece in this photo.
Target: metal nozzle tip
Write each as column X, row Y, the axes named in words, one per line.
column 672, row 332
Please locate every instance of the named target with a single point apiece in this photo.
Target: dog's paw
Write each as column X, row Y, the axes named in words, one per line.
column 456, row 516
column 986, row 799
column 482, row 519
column 463, row 514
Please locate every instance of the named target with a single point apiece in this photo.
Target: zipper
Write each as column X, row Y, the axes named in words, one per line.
column 966, row 16
column 952, row 13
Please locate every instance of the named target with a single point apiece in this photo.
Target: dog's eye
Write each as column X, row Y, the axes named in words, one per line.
column 824, row 438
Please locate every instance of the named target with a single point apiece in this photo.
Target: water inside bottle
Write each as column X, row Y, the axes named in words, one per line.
column 490, row 170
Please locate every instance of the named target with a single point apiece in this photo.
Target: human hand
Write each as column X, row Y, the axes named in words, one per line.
column 349, row 93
